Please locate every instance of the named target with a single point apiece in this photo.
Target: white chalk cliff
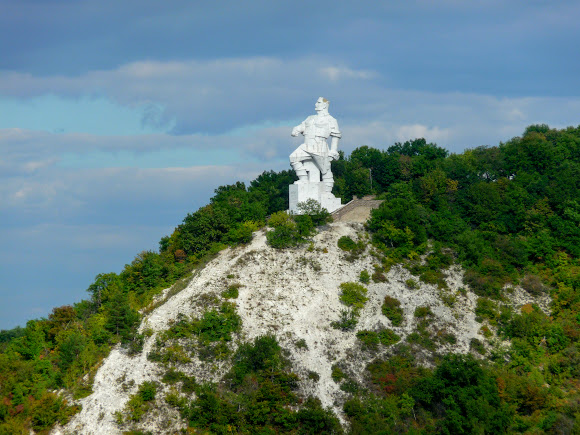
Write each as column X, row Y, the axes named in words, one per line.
column 293, row 294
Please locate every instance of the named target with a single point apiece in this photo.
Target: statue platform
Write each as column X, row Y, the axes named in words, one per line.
column 312, row 190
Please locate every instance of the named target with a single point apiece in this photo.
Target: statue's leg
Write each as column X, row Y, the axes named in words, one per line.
column 323, row 163
column 328, row 180
column 297, row 159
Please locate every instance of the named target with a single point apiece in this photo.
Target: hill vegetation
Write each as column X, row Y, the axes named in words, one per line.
column 509, row 214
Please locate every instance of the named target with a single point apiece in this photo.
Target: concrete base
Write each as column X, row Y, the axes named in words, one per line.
column 304, row 191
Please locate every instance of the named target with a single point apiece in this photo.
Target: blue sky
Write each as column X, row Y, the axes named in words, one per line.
column 119, row 118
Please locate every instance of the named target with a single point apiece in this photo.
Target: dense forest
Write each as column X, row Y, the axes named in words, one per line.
column 509, row 214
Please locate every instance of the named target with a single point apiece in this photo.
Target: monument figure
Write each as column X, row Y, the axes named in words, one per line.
column 311, row 160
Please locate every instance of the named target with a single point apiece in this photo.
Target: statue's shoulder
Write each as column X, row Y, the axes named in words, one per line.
column 332, row 120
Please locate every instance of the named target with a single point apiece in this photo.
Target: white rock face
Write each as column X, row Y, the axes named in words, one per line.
column 293, row 294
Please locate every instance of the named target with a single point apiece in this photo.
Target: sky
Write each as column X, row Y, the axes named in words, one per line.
column 119, row 118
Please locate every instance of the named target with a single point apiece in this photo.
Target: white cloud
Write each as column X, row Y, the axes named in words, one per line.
column 219, row 96
column 415, row 131
column 335, row 74
column 200, row 95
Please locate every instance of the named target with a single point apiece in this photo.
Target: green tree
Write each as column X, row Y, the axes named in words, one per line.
column 32, row 343
column 121, row 318
column 104, row 285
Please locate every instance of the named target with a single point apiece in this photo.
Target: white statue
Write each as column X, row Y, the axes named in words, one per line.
column 311, row 160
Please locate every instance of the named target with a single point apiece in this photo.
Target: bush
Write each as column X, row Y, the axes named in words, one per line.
column 147, row 391
column 411, row 284
column 392, row 309
column 139, row 403
column 301, row 344
column 304, row 225
column 369, row 339
column 285, row 233
column 421, row 312
column 263, row 354
column 232, row 291
column 353, row 295
column 422, row 338
column 313, row 376
column 243, row 233
column 47, row 411
column 318, row 214
column 350, row 386
column 172, row 376
column 533, row 285
column 337, row 374
column 285, row 236
column 346, row 243
column 466, row 395
column 347, row 322
column 483, row 285
column 387, row 337
column 314, row 419
column 219, row 325
column 477, row 346
column 486, row 308
column 364, row 277
column 379, row 276
column 354, row 249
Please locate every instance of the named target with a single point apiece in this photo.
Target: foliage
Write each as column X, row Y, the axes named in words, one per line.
column 218, row 325
column 466, row 394
column 392, row 309
column 243, row 234
column 261, row 398
column 140, row 402
column 364, row 277
column 337, row 374
column 232, row 291
column 421, row 312
column 346, row 243
column 318, row 214
column 353, row 295
column 285, row 232
column 354, row 249
column 347, row 320
column 487, row 309
column 301, row 344
column 371, row 339
column 411, row 284
column 289, row 231
column 214, row 325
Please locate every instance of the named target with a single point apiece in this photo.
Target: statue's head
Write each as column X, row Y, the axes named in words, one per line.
column 321, row 104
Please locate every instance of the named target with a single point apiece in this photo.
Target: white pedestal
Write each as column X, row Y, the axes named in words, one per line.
column 302, row 192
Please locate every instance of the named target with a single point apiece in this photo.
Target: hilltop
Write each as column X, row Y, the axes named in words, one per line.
column 453, row 309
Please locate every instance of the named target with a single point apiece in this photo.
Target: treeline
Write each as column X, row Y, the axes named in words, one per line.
column 509, row 213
